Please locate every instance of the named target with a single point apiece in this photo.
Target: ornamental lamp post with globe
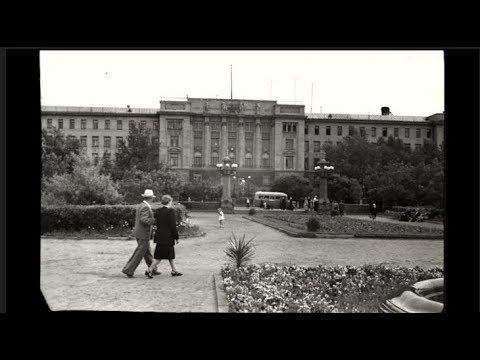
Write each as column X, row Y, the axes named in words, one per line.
column 323, row 169
column 227, row 169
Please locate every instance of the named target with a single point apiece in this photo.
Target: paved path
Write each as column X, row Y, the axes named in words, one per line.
column 85, row 274
column 429, row 225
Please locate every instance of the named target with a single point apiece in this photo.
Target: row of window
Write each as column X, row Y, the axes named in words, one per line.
column 265, row 179
column 373, row 132
column 83, row 124
column 107, row 141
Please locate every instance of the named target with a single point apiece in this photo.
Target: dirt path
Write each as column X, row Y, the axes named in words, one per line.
column 85, row 274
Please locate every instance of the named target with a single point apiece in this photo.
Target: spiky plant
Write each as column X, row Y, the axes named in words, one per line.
column 240, row 251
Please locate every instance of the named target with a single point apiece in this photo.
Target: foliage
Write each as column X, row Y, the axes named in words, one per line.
column 84, row 186
column 294, row 186
column 343, row 188
column 135, row 181
column 58, row 153
column 252, row 211
column 313, row 224
column 202, row 190
column 198, row 205
column 322, row 289
column 240, row 251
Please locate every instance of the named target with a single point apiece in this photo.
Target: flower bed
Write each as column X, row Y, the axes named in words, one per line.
column 339, row 224
column 323, row 289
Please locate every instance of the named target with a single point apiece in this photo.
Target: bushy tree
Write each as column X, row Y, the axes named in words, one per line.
column 344, row 188
column 294, row 186
column 58, row 153
column 201, row 190
column 84, row 186
column 135, row 181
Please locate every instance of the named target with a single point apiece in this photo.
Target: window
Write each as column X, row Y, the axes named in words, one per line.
column 418, row 133
column 95, row 141
column 265, row 180
column 83, row 141
column 197, row 159
column 119, row 140
column 406, row 146
column 107, row 155
column 143, row 124
column 265, row 160
column 198, row 134
column 174, row 124
column 317, row 130
column 418, row 146
column 327, row 130
column 119, row 124
column 214, row 158
column 107, row 124
column 174, row 160
column 215, row 125
column 407, row 132
column 232, row 135
column 131, row 124
column 316, row 146
column 95, row 124
column 339, row 130
column 384, row 132
column 83, row 124
column 49, row 123
column 265, row 136
column 374, row 132
column 289, row 144
column 248, row 135
column 395, row 132
column 215, row 135
column 350, row 130
column 306, row 129
column 155, row 141
column 289, row 162
column 249, row 126
column 362, row 131
column 316, row 161
column 174, row 141
column 248, row 160
column 71, row 137
column 155, row 125
column 95, row 158
column 232, row 156
column 307, row 143
column 60, row 123
column 294, row 127
column 429, row 133
column 107, row 142
column 306, row 163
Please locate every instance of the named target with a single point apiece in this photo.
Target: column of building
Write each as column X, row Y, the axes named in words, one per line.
column 241, row 143
column 208, row 145
column 300, row 148
column 162, row 141
column 279, row 145
column 258, row 144
column 224, row 140
column 187, row 148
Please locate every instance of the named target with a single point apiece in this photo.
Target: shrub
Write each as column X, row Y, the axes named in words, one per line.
column 252, row 211
column 180, row 212
column 240, row 251
column 313, row 224
column 335, row 213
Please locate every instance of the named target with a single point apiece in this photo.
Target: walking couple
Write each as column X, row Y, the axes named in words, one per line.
column 165, row 237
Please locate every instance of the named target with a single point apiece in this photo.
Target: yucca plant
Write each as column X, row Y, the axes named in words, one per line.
column 240, row 251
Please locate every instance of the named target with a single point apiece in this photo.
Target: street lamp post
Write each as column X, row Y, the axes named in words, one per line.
column 323, row 169
column 227, row 169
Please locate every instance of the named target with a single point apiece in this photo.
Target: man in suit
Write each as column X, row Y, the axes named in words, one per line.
column 144, row 220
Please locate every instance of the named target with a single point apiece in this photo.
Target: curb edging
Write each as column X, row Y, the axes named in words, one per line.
column 220, row 296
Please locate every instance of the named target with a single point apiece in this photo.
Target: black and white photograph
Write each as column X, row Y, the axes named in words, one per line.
column 237, row 181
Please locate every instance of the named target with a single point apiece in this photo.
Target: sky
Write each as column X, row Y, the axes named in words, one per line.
column 353, row 82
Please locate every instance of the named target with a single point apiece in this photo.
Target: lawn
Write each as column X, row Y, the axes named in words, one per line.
column 340, row 224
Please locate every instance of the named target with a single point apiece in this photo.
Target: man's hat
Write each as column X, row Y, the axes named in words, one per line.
column 148, row 193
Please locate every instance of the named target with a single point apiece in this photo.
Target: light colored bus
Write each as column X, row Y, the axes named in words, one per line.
column 272, row 198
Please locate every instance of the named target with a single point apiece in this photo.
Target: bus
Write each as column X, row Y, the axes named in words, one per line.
column 272, row 198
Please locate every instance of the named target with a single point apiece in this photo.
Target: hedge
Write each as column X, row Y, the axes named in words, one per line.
column 98, row 218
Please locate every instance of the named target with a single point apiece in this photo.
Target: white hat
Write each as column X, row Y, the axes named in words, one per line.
column 148, row 193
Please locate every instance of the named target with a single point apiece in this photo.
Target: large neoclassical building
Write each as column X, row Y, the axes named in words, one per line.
column 265, row 138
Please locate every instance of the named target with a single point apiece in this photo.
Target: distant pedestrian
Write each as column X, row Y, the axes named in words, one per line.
column 189, row 200
column 221, row 217
column 341, row 208
column 373, row 211
column 316, row 203
column 283, row 203
column 248, row 203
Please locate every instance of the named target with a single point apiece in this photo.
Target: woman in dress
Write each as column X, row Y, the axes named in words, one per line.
column 166, row 236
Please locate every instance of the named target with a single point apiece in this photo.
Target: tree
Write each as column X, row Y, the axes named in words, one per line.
column 58, row 153
column 138, row 151
column 344, row 188
column 202, row 190
column 293, row 185
column 84, row 186
column 161, row 181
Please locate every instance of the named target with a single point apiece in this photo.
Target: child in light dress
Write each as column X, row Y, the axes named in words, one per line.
column 221, row 217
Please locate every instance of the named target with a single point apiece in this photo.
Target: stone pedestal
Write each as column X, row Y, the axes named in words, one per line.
column 322, row 190
column 226, row 200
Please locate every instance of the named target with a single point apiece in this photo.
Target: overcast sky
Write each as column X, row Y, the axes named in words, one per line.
column 356, row 82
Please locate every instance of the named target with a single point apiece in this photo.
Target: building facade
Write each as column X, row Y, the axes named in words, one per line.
column 265, row 138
